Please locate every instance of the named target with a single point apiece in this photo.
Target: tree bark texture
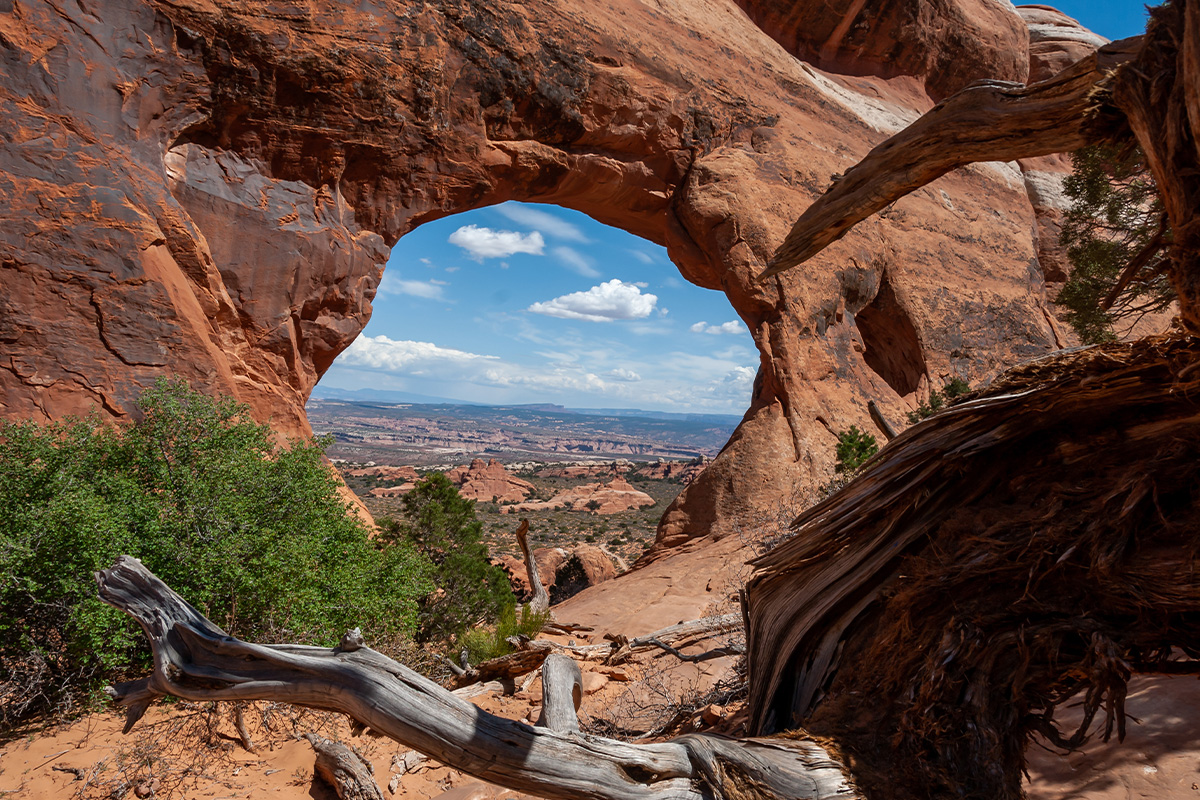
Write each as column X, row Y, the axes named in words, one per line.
column 1159, row 96
column 1036, row 540
column 195, row 659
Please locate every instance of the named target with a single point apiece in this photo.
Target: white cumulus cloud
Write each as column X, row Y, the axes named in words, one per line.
column 622, row 374
column 543, row 221
column 609, row 301
column 733, row 326
column 380, row 352
column 484, row 243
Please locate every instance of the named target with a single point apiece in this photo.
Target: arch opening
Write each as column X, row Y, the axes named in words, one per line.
column 570, row 353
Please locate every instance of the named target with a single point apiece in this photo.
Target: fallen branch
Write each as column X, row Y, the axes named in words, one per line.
column 194, row 659
column 987, row 121
column 707, row 655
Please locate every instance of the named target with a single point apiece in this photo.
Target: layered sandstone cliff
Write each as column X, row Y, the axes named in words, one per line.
column 210, row 188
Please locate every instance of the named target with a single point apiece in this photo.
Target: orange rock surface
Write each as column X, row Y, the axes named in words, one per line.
column 598, row 498
column 211, row 187
column 488, row 482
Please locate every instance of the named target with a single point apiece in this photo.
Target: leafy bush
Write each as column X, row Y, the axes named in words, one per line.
column 939, row 399
column 442, row 525
column 854, row 447
column 253, row 534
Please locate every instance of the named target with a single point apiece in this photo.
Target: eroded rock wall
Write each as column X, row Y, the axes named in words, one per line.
column 210, row 188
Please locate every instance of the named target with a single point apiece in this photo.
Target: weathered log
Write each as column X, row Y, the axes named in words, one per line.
column 346, row 771
column 987, row 121
column 194, row 659
column 562, row 692
column 540, row 603
column 1038, row 539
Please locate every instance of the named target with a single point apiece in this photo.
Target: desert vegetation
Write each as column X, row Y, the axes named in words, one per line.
column 256, row 531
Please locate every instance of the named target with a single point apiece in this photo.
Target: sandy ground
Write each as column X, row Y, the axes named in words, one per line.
column 179, row 753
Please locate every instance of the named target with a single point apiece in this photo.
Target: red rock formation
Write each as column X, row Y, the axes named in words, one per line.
column 210, row 188
column 584, row 470
column 393, row 491
column 489, row 482
column 946, row 43
column 387, row 473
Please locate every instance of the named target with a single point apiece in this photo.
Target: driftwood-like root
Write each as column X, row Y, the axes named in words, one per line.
column 1039, row 540
column 194, row 659
column 987, row 121
column 345, row 770
column 562, row 692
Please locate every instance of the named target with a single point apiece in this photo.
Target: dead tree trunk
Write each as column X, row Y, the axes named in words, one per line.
column 195, row 659
column 540, row 603
column 1037, row 540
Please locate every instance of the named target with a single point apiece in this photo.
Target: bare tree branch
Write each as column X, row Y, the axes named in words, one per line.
column 195, row 659
column 987, row 121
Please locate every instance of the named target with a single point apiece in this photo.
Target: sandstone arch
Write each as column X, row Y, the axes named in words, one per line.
column 211, row 189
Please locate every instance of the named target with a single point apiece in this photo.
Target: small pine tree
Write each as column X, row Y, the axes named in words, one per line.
column 1116, row 220
column 470, row 590
column 854, row 447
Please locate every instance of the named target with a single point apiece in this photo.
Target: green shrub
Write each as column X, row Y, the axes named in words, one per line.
column 854, row 447
column 486, row 643
column 442, row 525
column 1116, row 218
column 253, row 534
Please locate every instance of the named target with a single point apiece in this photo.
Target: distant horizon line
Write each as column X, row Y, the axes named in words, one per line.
column 323, row 393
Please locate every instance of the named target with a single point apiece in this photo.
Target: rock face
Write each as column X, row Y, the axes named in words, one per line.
column 945, row 43
column 210, row 188
column 489, row 482
column 598, row 498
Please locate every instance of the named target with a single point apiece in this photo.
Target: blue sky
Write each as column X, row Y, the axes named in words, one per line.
column 1112, row 19
column 523, row 303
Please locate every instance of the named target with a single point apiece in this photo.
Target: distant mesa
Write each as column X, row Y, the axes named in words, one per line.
column 386, row 473
column 597, row 498
column 683, row 471
column 489, row 482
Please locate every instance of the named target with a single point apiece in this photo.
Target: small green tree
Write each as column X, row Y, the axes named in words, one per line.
column 854, row 447
column 1116, row 235
column 469, row 590
column 253, row 533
